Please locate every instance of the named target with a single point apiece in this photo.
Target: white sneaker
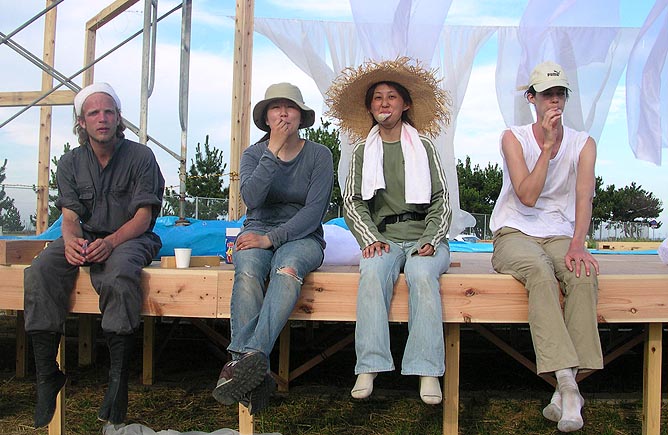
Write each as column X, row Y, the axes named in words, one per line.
column 363, row 386
column 430, row 390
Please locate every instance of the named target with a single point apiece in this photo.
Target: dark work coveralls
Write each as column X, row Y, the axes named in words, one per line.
column 104, row 199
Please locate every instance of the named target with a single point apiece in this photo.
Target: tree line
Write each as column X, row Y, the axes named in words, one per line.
column 479, row 187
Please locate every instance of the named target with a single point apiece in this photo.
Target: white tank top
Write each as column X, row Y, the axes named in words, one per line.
column 554, row 211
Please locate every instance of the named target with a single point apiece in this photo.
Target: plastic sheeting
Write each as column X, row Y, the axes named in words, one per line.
column 207, row 237
column 663, row 251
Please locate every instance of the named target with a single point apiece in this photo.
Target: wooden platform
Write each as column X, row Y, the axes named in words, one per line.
column 632, row 290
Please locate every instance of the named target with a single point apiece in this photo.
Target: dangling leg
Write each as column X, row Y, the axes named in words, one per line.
column 50, row 379
column 115, row 404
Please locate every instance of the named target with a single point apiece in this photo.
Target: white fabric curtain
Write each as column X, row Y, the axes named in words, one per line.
column 593, row 57
column 401, row 27
column 457, row 49
column 647, row 87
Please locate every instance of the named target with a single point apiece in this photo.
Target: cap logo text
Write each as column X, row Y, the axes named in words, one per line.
column 553, row 74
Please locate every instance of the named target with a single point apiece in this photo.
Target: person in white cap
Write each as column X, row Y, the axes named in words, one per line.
column 540, row 222
column 110, row 194
column 286, row 184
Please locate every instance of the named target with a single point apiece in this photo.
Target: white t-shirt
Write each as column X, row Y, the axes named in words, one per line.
column 554, row 211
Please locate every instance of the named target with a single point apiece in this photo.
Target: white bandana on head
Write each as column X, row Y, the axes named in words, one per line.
column 416, row 166
column 86, row 92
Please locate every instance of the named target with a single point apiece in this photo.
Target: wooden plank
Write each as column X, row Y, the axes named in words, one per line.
column 20, row 251
column 11, row 287
column 628, row 246
column 477, row 298
column 23, row 98
column 196, row 261
column 167, row 292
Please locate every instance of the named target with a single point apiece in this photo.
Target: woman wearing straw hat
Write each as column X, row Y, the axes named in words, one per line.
column 396, row 205
column 286, row 184
column 540, row 222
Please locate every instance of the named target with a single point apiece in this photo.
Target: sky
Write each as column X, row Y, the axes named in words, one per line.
column 479, row 123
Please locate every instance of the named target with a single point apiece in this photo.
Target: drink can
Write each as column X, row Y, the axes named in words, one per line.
column 230, row 239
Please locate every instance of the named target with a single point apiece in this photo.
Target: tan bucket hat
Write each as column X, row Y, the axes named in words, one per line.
column 429, row 111
column 276, row 92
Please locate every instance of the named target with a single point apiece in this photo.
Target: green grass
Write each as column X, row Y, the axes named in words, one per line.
column 498, row 397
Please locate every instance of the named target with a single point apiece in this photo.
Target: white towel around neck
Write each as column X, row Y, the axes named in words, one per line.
column 416, row 166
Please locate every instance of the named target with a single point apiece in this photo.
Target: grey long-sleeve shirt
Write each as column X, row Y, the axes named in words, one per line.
column 287, row 200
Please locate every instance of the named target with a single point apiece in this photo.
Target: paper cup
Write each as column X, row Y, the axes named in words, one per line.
column 182, row 257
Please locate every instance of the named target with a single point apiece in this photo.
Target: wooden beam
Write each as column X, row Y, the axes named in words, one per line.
column 109, row 13
column 241, row 91
column 23, row 98
column 20, row 251
column 45, row 112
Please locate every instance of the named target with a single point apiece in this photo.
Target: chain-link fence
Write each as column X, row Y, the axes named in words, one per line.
column 217, row 208
column 602, row 230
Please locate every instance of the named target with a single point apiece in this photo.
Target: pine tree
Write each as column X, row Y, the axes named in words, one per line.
column 204, row 180
column 10, row 218
column 331, row 140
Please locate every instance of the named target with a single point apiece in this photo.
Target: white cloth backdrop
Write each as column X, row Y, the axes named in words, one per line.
column 403, row 27
column 647, row 87
column 594, row 58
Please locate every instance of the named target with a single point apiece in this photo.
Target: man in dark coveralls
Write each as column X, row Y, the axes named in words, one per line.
column 110, row 193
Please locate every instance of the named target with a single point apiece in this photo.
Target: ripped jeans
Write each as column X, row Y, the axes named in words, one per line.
column 259, row 311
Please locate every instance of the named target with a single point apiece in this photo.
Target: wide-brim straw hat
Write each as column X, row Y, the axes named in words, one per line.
column 429, row 111
column 282, row 91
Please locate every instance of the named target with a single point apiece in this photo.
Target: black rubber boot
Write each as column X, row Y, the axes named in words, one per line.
column 115, row 405
column 50, row 380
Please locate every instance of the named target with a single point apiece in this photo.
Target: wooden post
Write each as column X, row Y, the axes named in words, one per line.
column 44, row 154
column 241, row 91
column 149, row 345
column 284, row 359
column 57, row 425
column 451, row 380
column 240, row 128
column 651, row 401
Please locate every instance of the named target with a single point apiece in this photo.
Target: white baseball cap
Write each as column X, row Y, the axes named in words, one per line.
column 547, row 75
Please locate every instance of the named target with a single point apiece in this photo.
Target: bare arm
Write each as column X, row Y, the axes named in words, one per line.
column 584, row 194
column 527, row 185
column 73, row 238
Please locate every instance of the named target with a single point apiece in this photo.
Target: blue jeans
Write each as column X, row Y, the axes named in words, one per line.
column 259, row 311
column 424, row 354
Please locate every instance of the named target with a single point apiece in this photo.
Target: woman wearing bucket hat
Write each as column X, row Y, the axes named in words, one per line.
column 286, row 183
column 396, row 205
column 540, row 222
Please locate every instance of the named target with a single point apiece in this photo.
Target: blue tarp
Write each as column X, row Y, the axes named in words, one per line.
column 207, row 237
